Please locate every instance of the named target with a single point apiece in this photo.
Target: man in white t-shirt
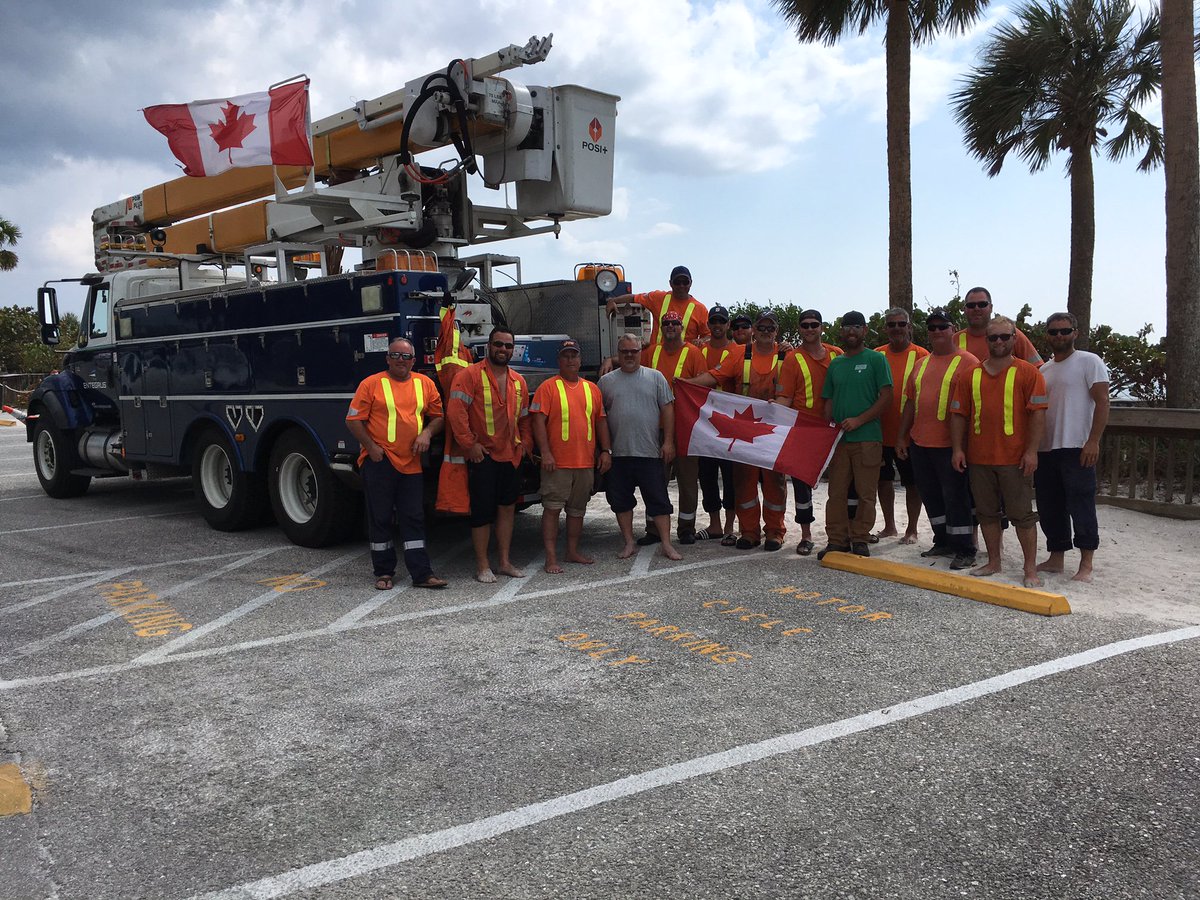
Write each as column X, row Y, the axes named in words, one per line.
column 1065, row 480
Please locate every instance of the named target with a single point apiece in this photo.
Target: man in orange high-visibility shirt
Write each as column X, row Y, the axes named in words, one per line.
column 488, row 410
column 568, row 423
column 973, row 338
column 801, row 379
column 679, row 299
column 717, row 498
column 924, row 439
column 903, row 357
column 676, row 359
column 755, row 373
column 999, row 419
column 393, row 416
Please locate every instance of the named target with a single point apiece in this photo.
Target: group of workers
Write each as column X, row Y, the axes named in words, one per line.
column 976, row 426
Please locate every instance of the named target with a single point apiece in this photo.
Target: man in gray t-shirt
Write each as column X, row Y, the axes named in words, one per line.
column 641, row 419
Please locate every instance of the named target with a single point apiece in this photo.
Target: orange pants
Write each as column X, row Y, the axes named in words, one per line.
column 774, row 502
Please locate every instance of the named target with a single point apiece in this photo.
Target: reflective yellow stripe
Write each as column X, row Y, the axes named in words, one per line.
column 746, row 376
column 808, row 380
column 489, row 421
column 516, row 412
column 419, row 391
column 687, row 315
column 962, row 340
column 682, row 360
column 654, row 358
column 912, row 358
column 587, row 407
column 1010, row 383
column 977, row 394
column 391, row 406
column 917, row 386
column 564, row 409
column 944, row 395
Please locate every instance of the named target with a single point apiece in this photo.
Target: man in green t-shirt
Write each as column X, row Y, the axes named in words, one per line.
column 858, row 388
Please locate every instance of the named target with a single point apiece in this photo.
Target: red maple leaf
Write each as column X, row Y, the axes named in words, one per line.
column 741, row 426
column 232, row 130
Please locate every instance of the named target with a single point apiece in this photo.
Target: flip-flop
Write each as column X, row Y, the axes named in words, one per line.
column 431, row 582
column 383, row 583
column 728, row 540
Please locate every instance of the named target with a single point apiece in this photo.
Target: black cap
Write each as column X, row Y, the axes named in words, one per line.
column 767, row 315
column 718, row 312
column 811, row 314
column 568, row 345
column 740, row 320
column 852, row 318
column 680, row 270
column 938, row 312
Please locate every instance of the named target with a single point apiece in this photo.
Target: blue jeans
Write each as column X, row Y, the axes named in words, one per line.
column 1066, row 500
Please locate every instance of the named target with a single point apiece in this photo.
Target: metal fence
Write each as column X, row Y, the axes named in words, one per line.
column 15, row 388
column 1149, row 459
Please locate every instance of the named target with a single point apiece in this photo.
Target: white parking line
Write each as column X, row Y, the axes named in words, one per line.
column 48, row 578
column 641, row 563
column 233, row 615
column 417, row 846
column 22, row 497
column 183, row 512
column 67, row 634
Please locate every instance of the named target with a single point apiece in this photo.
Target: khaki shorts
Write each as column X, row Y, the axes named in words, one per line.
column 997, row 488
column 569, row 488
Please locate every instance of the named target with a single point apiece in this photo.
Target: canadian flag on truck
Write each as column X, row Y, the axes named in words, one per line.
column 724, row 425
column 262, row 129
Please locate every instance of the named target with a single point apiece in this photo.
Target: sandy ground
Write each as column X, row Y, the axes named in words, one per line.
column 1143, row 567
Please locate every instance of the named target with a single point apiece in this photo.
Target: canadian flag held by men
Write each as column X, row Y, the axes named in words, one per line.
column 262, row 129
column 729, row 426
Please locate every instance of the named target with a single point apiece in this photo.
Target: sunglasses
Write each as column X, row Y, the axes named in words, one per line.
column 764, row 328
column 1059, row 332
column 897, row 324
column 502, row 345
column 942, row 326
column 994, row 338
column 393, row 354
column 672, row 323
column 629, row 351
column 740, row 325
column 682, row 281
column 712, row 321
column 978, row 304
column 810, row 325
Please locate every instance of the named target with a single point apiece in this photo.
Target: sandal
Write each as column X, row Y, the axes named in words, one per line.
column 383, row 583
column 703, row 535
column 431, row 582
column 728, row 540
column 805, row 548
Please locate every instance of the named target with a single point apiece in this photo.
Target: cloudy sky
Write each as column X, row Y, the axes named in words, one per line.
column 755, row 160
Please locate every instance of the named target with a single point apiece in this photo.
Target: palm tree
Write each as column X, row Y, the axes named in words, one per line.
column 907, row 22
column 9, row 235
column 1056, row 78
column 1182, row 166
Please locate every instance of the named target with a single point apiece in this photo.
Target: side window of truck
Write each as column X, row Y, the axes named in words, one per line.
column 98, row 326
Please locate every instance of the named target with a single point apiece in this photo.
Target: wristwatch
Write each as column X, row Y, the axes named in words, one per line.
column 606, row 450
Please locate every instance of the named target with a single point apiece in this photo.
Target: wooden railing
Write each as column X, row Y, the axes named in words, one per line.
column 1149, row 460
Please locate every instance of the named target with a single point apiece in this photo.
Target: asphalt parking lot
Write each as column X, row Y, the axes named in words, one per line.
column 194, row 713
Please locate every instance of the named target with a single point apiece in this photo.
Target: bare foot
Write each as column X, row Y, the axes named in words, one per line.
column 669, row 552
column 487, row 576
column 1050, row 565
column 628, row 551
column 910, row 537
column 552, row 568
column 887, row 532
column 512, row 571
column 986, row 569
column 579, row 558
column 1083, row 575
column 1032, row 581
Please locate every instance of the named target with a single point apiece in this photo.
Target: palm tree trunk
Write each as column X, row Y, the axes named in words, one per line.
column 1083, row 241
column 898, row 48
column 1182, row 165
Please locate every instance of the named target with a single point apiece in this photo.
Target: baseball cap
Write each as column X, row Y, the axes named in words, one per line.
column 811, row 314
column 718, row 312
column 854, row 317
column 567, row 346
column 768, row 315
column 938, row 312
column 680, row 270
column 672, row 316
column 741, row 321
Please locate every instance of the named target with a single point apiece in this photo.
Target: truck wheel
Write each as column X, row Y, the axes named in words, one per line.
column 54, row 457
column 231, row 499
column 312, row 507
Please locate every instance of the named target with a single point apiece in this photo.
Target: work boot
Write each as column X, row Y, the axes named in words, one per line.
column 937, row 550
column 860, row 548
column 963, row 561
column 834, row 548
column 686, row 535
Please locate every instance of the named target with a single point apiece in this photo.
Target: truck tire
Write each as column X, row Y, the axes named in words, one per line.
column 311, row 505
column 231, row 499
column 54, row 456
